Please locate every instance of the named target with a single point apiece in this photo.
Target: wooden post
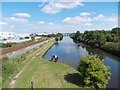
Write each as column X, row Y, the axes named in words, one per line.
column 31, row 85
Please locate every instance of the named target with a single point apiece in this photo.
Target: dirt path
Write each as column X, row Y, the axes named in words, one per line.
column 15, row 78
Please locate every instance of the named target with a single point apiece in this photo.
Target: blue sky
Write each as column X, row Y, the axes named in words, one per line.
column 30, row 17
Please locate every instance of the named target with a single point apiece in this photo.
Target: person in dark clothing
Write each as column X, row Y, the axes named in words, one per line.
column 56, row 59
column 52, row 57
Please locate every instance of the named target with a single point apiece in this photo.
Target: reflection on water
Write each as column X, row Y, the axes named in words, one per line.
column 70, row 52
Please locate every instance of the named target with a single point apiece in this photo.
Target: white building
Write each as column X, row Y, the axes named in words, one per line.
column 45, row 33
column 13, row 37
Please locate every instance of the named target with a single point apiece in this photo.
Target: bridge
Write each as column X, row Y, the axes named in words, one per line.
column 66, row 34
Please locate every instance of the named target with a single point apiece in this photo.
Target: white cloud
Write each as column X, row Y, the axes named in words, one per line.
column 28, row 24
column 83, row 19
column 88, row 24
column 42, row 4
column 12, row 26
column 31, row 24
column 3, row 23
column 103, row 18
column 77, row 19
column 80, row 4
column 112, row 19
column 50, row 23
column 41, row 22
column 26, row 15
column 99, row 17
column 85, row 14
column 91, row 22
column 55, row 7
column 16, row 20
column 67, row 20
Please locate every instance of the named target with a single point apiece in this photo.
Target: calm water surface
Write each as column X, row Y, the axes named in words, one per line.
column 70, row 53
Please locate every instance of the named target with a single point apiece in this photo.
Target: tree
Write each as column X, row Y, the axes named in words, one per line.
column 60, row 36
column 32, row 38
column 56, row 38
column 100, row 39
column 109, row 38
column 94, row 72
column 116, row 31
column 77, row 33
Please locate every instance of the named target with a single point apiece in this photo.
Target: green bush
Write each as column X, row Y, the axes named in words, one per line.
column 94, row 72
column 5, row 45
column 32, row 38
column 11, row 66
column 8, row 68
column 56, row 38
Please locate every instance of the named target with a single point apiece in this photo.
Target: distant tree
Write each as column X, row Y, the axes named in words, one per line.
column 56, row 38
column 60, row 36
column 32, row 38
column 94, row 72
column 77, row 33
column 116, row 31
column 100, row 39
column 112, row 47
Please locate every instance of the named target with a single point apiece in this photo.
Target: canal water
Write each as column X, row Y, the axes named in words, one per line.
column 70, row 53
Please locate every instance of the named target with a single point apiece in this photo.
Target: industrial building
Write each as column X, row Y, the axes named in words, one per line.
column 6, row 37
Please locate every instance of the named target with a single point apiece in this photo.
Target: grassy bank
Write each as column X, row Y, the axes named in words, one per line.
column 10, row 67
column 43, row 73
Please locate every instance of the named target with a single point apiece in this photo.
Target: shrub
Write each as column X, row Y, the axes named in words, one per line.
column 56, row 38
column 94, row 72
column 32, row 38
column 8, row 68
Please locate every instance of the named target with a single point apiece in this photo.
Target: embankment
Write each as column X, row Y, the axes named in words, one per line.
column 18, row 47
column 43, row 73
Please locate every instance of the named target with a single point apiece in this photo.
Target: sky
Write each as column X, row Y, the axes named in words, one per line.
column 33, row 17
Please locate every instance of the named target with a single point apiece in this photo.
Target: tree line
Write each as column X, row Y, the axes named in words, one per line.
column 106, row 40
column 58, row 36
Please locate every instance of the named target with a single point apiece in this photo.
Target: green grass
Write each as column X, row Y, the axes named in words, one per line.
column 15, row 65
column 47, row 74
column 6, row 45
